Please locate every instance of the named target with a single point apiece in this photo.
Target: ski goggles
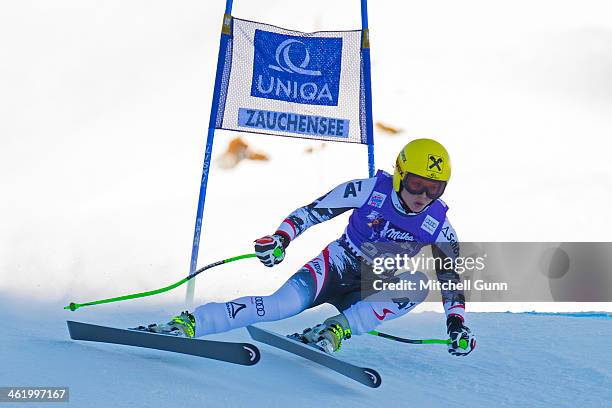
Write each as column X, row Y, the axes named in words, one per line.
column 418, row 185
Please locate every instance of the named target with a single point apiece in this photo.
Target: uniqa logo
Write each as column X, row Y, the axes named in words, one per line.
column 308, row 91
column 283, row 50
column 296, row 69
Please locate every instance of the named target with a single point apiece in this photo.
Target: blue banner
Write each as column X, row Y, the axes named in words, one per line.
column 297, row 69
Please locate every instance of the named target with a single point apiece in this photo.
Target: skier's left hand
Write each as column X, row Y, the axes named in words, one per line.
column 270, row 249
column 462, row 339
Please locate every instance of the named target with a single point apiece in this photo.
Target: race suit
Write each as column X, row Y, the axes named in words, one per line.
column 335, row 276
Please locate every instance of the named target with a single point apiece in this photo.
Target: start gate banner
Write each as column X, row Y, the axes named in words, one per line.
column 288, row 83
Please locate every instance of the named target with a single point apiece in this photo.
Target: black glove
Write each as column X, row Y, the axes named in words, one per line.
column 462, row 340
column 271, row 249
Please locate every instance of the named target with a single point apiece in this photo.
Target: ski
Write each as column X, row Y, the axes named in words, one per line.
column 237, row 353
column 366, row 376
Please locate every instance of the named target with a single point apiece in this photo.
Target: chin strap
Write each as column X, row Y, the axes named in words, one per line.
column 402, row 203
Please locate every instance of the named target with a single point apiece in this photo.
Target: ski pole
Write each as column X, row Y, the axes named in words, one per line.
column 74, row 306
column 462, row 343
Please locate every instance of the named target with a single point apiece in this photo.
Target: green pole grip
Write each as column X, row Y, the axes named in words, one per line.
column 277, row 253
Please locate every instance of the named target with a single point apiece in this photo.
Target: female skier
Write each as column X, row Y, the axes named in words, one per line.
column 401, row 213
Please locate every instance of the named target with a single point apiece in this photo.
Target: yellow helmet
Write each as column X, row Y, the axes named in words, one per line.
column 423, row 157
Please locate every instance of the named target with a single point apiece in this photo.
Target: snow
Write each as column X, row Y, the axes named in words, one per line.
column 104, row 111
column 107, row 105
column 520, row 360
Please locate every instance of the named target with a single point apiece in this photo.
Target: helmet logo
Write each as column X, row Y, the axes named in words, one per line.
column 398, row 166
column 435, row 163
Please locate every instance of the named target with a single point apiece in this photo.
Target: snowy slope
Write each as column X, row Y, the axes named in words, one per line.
column 105, row 106
column 521, row 361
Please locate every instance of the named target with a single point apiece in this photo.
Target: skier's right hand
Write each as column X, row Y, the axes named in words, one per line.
column 270, row 249
column 462, row 340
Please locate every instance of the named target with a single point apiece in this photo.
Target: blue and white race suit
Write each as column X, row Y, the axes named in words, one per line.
column 335, row 275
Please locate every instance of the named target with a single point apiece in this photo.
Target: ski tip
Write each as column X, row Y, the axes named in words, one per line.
column 375, row 379
column 253, row 353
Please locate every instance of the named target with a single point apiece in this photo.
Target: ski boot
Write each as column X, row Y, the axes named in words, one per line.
column 182, row 325
column 326, row 336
